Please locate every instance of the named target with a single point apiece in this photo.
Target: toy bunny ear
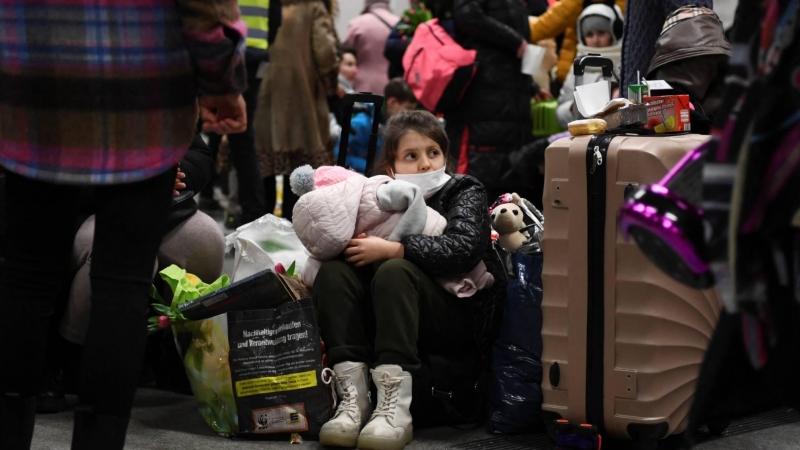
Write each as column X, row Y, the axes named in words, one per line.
column 302, row 180
column 515, row 198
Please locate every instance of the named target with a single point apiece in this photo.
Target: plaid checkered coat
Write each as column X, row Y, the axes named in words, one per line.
column 104, row 92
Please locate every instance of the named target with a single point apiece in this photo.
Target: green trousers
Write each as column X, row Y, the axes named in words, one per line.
column 388, row 314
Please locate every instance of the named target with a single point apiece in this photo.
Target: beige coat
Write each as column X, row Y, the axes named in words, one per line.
column 291, row 122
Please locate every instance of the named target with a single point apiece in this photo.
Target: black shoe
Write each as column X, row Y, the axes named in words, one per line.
column 17, row 416
column 98, row 432
column 52, row 399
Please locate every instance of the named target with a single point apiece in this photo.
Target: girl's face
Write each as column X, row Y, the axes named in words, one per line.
column 348, row 67
column 597, row 39
column 417, row 154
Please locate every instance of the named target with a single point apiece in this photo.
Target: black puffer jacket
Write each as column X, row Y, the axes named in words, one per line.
column 462, row 202
column 466, row 241
column 496, row 106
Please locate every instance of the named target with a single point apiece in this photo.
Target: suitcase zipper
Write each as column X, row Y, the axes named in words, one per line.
column 595, row 321
column 597, row 161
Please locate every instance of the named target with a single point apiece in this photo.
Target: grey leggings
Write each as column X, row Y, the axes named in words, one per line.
column 197, row 245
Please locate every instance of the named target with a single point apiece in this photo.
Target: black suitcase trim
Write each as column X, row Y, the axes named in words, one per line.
column 596, row 153
column 645, row 435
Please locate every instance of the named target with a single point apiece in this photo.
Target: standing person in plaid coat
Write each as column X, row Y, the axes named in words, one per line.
column 104, row 94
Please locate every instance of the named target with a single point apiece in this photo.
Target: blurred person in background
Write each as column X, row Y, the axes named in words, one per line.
column 292, row 122
column 368, row 33
column 644, row 20
column 120, row 124
column 493, row 117
column 560, row 20
column 595, row 28
column 348, row 68
column 263, row 19
column 692, row 55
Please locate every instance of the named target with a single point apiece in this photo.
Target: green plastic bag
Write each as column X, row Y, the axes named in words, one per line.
column 204, row 347
column 205, row 354
column 544, row 119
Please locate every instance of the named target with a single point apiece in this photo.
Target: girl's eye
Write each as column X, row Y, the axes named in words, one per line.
column 433, row 153
column 411, row 156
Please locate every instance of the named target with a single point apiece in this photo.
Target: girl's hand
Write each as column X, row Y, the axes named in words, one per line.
column 179, row 184
column 365, row 250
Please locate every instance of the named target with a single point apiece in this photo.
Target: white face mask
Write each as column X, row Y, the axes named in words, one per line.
column 429, row 182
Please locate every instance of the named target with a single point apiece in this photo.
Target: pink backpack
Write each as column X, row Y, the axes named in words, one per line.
column 437, row 69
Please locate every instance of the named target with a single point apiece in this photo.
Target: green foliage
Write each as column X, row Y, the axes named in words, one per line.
column 411, row 18
column 185, row 288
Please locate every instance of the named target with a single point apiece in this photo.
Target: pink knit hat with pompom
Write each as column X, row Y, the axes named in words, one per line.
column 330, row 175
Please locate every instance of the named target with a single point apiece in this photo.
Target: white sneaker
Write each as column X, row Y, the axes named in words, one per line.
column 390, row 426
column 354, row 406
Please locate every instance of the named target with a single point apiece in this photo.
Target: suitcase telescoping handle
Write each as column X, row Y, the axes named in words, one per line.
column 592, row 60
column 349, row 101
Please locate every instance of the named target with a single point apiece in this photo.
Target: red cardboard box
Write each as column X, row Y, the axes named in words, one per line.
column 668, row 113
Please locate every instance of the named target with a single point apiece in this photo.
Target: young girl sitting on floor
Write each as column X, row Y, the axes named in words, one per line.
column 385, row 315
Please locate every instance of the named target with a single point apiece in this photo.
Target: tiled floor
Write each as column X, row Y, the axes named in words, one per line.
column 162, row 420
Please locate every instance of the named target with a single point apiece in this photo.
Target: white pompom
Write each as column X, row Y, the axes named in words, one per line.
column 302, row 180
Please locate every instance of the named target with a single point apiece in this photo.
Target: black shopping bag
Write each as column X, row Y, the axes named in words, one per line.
column 276, row 370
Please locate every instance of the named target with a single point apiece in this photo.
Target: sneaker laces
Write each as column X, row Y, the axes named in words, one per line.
column 349, row 401
column 391, row 386
column 327, row 382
